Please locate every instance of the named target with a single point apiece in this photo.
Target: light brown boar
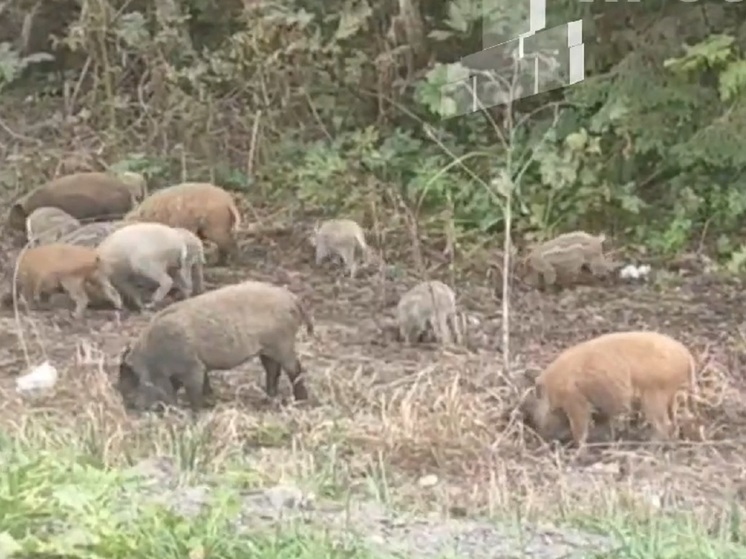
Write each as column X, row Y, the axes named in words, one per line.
column 48, row 269
column 565, row 256
column 429, row 306
column 47, row 225
column 206, row 210
column 217, row 330
column 85, row 196
column 165, row 255
column 342, row 238
column 607, row 374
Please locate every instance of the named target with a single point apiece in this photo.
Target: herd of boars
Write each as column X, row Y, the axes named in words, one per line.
column 100, row 237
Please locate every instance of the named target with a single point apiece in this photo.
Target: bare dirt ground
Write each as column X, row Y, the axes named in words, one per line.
column 409, row 413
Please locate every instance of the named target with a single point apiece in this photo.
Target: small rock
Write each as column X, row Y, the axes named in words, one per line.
column 157, row 469
column 429, row 480
column 288, row 497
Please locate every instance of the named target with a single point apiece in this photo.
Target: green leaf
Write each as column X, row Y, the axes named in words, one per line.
column 353, row 19
column 577, row 140
column 732, row 80
column 457, row 18
column 439, row 35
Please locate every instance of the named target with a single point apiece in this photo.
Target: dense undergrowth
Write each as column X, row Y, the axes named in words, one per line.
column 335, row 106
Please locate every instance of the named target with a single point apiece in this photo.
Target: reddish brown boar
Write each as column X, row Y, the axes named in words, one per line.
column 206, row 210
column 48, row 269
column 605, row 375
column 85, row 196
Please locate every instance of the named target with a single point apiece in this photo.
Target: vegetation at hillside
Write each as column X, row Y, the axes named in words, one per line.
column 330, row 102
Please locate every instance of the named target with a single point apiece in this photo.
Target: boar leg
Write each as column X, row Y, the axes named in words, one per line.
column 549, row 275
column 321, row 253
column 224, row 240
column 457, row 322
column 294, row 371
column 75, row 288
column 165, row 283
column 129, row 292
column 198, row 280
column 578, row 411
column 272, row 370
column 655, row 407
column 598, row 266
column 442, row 330
column 348, row 258
column 183, row 280
column 207, row 391
column 409, row 335
column 109, row 292
column 291, row 365
column 194, row 385
column 31, row 294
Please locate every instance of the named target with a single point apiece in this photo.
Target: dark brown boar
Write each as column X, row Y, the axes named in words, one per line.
column 85, row 196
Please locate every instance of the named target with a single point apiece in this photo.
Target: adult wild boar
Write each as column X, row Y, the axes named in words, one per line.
column 85, row 196
column 217, row 330
column 606, row 374
column 206, row 210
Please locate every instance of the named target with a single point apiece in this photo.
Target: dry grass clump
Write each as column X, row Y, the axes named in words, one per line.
column 452, row 420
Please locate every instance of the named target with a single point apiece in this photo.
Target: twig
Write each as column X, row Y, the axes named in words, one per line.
column 252, row 144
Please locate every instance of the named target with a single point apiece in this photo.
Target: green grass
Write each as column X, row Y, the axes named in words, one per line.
column 664, row 536
column 57, row 504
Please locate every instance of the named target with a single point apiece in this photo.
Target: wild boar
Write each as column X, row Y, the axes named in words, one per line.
column 607, row 374
column 343, row 238
column 48, row 224
column 153, row 251
column 565, row 255
column 48, row 269
column 92, row 234
column 206, row 210
column 85, row 196
column 430, row 304
column 217, row 330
